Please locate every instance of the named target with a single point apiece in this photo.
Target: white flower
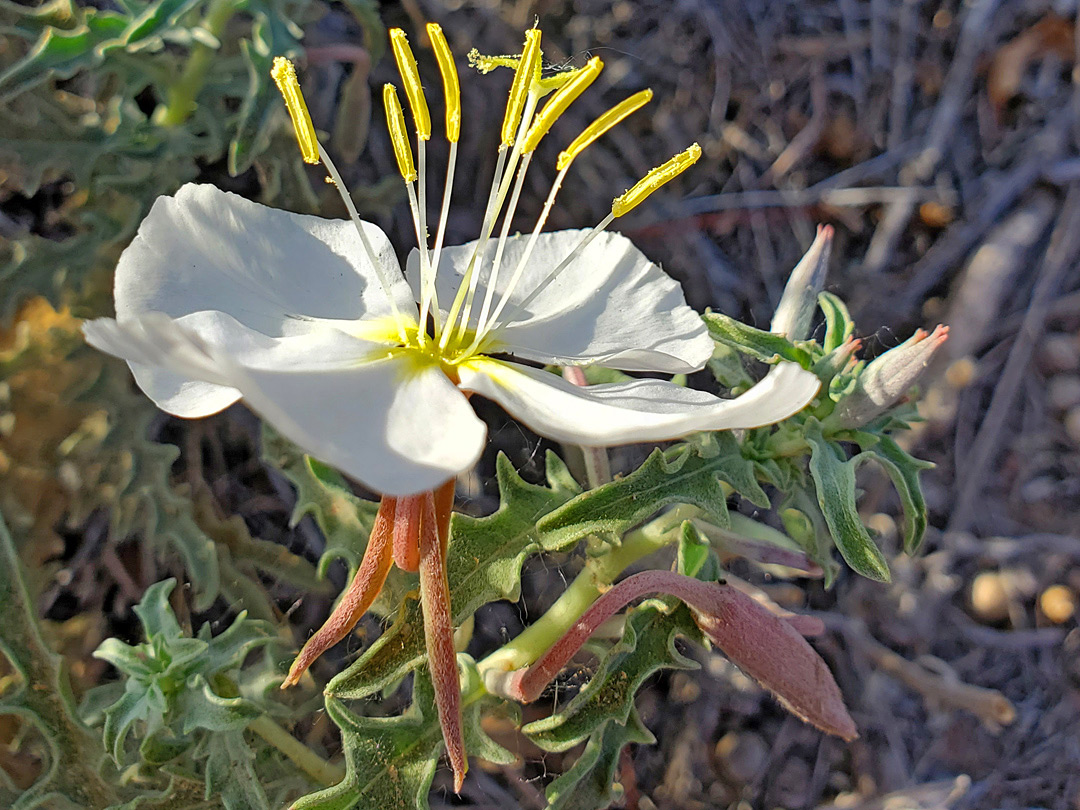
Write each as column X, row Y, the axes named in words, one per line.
column 313, row 324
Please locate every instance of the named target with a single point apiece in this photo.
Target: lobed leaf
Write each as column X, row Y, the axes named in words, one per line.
column 647, row 645
column 687, row 476
column 589, row 783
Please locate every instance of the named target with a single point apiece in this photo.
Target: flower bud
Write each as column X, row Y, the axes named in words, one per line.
column 796, row 308
column 888, row 378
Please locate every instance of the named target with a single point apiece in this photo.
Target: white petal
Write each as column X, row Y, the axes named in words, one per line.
column 638, row 411
column 397, row 427
column 184, row 364
column 611, row 306
column 206, row 249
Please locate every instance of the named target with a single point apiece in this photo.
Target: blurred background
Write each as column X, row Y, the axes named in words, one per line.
column 939, row 139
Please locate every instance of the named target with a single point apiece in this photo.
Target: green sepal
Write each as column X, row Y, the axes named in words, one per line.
column 834, row 482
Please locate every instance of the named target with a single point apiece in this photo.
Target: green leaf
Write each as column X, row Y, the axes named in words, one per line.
column 589, row 784
column 254, row 119
column 154, row 21
column 230, row 773
column 156, row 614
column 903, row 469
column 611, row 510
column 483, row 564
column 200, row 707
column 838, row 324
column 41, row 696
column 62, row 53
column 834, row 481
column 136, row 704
column 765, row 346
column 647, row 645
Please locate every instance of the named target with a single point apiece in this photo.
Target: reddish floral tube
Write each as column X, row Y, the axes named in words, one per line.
column 766, row 647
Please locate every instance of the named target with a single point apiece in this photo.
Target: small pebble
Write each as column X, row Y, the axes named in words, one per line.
column 989, row 597
column 1060, row 352
column 1058, row 604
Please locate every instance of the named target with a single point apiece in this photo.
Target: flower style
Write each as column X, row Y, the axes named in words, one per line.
column 312, row 322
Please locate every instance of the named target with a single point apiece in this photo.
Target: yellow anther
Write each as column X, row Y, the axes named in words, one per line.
column 410, row 75
column 558, row 103
column 654, row 179
column 528, row 71
column 395, row 122
column 284, row 75
column 451, row 87
column 602, row 125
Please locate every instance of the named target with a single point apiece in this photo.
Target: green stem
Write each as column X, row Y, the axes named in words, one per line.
column 180, row 103
column 323, row 772
column 593, row 580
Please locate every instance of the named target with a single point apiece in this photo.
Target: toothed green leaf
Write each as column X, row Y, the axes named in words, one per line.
column 589, row 784
column 679, row 476
column 647, row 645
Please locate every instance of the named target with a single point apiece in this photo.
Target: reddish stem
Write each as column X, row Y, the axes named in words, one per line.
column 407, row 531
column 354, row 603
column 765, row 646
column 439, row 627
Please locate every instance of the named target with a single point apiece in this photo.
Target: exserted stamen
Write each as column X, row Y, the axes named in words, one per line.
column 414, row 92
column 524, row 78
column 620, row 205
column 284, row 75
column 602, row 125
column 395, row 122
column 429, row 300
column 558, row 103
column 540, row 126
column 520, row 107
column 625, row 203
column 566, row 158
column 410, row 77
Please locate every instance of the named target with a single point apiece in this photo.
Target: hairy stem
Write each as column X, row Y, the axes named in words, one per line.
column 321, row 771
column 586, row 588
